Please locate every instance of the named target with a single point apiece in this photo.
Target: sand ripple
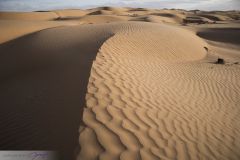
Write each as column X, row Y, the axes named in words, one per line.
column 147, row 99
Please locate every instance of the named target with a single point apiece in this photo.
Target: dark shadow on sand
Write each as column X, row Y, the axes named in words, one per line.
column 226, row 35
column 43, row 82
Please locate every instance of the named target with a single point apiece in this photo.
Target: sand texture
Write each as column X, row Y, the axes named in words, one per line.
column 121, row 83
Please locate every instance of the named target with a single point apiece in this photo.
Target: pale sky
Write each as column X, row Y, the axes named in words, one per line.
column 34, row 5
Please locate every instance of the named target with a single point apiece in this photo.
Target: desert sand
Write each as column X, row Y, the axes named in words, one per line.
column 121, row 83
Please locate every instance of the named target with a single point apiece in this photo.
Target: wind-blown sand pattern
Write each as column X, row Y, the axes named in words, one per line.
column 148, row 100
column 136, row 83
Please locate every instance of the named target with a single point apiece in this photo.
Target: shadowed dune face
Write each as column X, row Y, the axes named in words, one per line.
column 211, row 17
column 138, row 90
column 138, row 9
column 196, row 19
column 43, row 88
column 66, row 18
column 100, row 12
column 164, row 14
column 226, row 35
column 43, row 85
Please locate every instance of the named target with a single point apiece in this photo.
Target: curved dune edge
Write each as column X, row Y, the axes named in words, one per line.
column 43, row 89
column 13, row 29
column 149, row 94
column 147, row 103
column 16, row 24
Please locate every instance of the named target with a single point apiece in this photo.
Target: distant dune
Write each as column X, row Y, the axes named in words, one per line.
column 121, row 83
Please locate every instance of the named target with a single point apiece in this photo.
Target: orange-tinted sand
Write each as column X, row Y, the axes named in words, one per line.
column 121, row 83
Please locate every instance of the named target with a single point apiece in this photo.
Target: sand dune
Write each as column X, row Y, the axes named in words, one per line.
column 28, row 15
column 141, row 105
column 121, row 83
column 102, row 19
column 70, row 13
column 12, row 29
column 43, row 88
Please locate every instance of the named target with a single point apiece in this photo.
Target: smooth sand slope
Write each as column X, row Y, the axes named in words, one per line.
column 121, row 83
column 44, row 79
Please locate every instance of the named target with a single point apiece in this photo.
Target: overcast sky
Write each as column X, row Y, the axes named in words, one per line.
column 34, row 5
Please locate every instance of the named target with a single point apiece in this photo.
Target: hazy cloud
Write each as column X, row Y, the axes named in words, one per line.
column 186, row 4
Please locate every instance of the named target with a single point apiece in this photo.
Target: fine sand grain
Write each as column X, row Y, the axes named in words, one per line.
column 121, row 83
column 155, row 98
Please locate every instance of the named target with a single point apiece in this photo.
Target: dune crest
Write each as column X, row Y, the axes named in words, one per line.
column 145, row 101
column 121, row 83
